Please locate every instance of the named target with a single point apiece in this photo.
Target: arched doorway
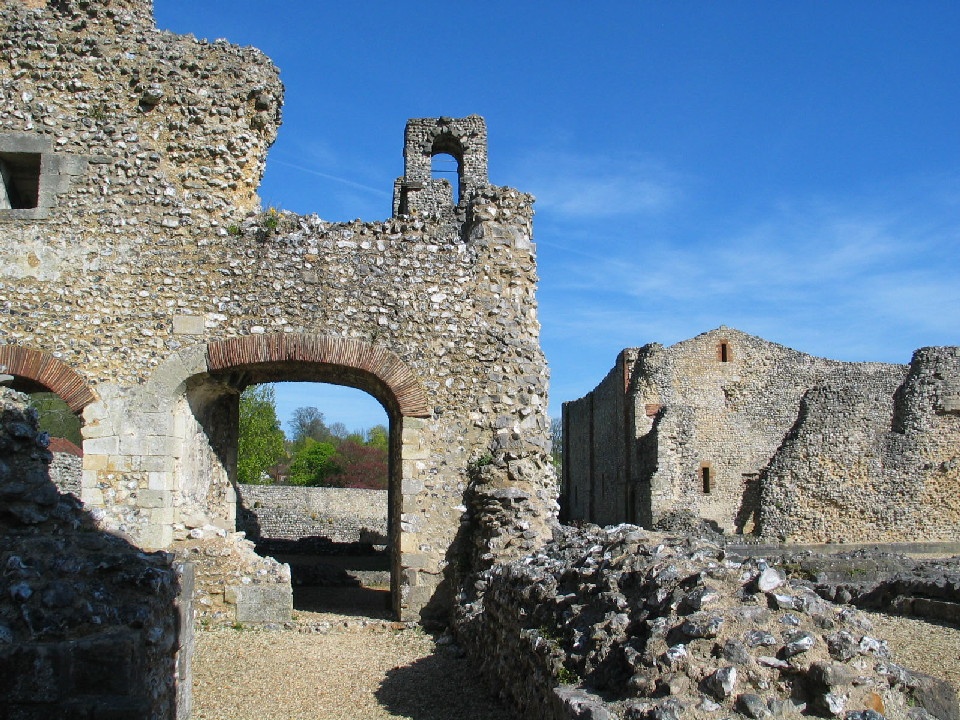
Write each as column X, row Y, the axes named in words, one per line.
column 207, row 468
column 312, row 487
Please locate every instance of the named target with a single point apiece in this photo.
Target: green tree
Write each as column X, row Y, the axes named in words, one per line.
column 308, row 422
column 261, row 443
column 56, row 417
column 314, row 464
column 379, row 437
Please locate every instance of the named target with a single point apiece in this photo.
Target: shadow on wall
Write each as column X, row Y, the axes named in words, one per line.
column 90, row 625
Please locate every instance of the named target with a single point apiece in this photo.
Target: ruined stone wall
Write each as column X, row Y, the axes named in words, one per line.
column 148, row 248
column 66, row 471
column 877, row 463
column 90, row 625
column 626, row 623
column 343, row 515
column 708, row 415
column 594, row 422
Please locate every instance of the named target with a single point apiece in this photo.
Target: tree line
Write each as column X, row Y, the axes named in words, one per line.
column 317, row 454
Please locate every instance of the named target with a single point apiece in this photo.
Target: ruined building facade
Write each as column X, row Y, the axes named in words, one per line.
column 141, row 282
column 759, row 438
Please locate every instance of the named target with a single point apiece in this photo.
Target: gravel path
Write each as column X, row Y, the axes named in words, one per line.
column 927, row 647
column 336, row 667
column 340, row 667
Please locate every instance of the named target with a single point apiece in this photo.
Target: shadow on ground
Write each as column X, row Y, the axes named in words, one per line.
column 441, row 686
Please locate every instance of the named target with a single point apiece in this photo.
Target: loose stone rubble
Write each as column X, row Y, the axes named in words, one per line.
column 626, row 623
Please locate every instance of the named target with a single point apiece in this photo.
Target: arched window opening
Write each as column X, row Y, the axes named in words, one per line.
column 312, row 478
column 444, row 166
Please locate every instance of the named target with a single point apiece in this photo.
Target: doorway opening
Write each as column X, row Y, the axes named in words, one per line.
column 313, row 470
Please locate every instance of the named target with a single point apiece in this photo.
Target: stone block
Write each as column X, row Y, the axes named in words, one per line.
column 409, row 542
column 152, row 498
column 161, row 515
column 149, row 445
column 104, row 663
column 159, row 481
column 950, row 403
column 102, row 446
column 418, row 561
column 31, row 674
column 188, row 325
column 264, row 603
column 92, row 496
column 157, row 463
column 411, row 486
column 414, row 452
column 98, row 429
column 156, row 537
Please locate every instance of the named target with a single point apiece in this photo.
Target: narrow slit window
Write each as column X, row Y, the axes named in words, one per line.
column 705, row 479
column 724, row 351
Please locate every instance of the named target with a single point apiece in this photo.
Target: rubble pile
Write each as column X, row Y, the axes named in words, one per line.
column 626, row 623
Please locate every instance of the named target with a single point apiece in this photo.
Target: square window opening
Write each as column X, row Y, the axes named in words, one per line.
column 21, row 180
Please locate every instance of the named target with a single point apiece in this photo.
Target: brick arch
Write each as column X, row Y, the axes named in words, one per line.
column 43, row 369
column 382, row 364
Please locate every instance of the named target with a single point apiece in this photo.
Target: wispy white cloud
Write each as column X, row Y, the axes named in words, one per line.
column 334, row 178
column 580, row 186
column 867, row 278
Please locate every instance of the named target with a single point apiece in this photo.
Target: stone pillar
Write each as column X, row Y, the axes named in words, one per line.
column 416, row 568
column 128, row 467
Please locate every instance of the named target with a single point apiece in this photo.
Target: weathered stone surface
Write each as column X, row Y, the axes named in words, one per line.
column 263, row 604
column 156, row 288
column 90, row 626
column 607, row 611
column 746, row 436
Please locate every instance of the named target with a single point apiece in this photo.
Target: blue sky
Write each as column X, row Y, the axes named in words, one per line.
column 791, row 169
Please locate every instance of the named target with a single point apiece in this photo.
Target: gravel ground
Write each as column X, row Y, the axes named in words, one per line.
column 928, row 647
column 336, row 667
column 341, row 667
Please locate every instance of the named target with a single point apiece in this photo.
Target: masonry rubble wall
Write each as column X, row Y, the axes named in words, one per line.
column 149, row 285
column 595, row 441
column 755, row 437
column 867, row 462
column 626, row 623
column 342, row 515
column 66, row 471
column 90, row 625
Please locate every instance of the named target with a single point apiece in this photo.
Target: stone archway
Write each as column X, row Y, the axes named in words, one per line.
column 202, row 387
column 35, row 369
column 382, row 373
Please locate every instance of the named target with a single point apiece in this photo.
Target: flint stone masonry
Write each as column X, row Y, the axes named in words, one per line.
column 154, row 288
column 754, row 437
column 342, row 515
column 66, row 471
column 626, row 623
column 90, row 626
